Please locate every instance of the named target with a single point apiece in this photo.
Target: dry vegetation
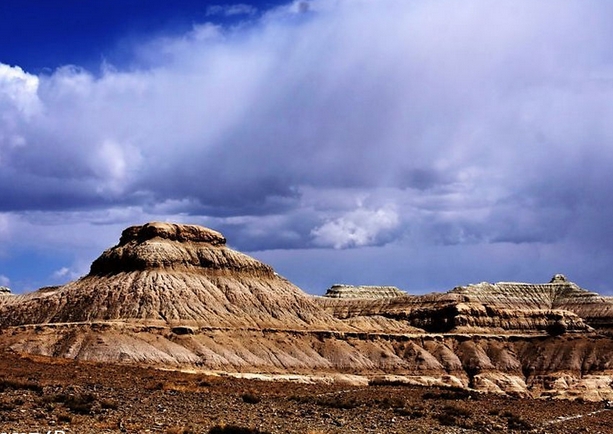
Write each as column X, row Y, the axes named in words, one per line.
column 41, row 394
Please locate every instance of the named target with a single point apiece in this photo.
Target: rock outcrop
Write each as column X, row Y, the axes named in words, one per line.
column 176, row 296
column 556, row 307
column 557, row 295
column 4, row 290
column 363, row 291
column 168, row 273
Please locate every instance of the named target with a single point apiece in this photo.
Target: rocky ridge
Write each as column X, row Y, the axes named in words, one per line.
column 176, row 296
column 363, row 291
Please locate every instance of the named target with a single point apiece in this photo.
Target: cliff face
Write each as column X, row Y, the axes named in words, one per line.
column 364, row 291
column 176, row 296
column 555, row 307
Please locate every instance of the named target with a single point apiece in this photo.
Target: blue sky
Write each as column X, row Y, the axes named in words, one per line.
column 422, row 144
column 41, row 36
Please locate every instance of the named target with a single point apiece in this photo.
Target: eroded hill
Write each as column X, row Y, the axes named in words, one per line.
column 176, row 296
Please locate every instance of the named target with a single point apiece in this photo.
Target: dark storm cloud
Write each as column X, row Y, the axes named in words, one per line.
column 466, row 125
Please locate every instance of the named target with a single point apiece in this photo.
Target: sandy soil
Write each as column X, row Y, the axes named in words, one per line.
column 40, row 394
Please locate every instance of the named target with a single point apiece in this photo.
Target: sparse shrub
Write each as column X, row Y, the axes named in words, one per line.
column 7, row 383
column 391, row 402
column 454, row 393
column 456, row 410
column 64, row 417
column 301, row 399
column 79, row 404
column 446, row 419
column 180, row 430
column 108, row 404
column 341, row 402
column 250, row 398
column 233, row 429
column 454, row 415
column 7, row 406
column 412, row 413
column 515, row 422
column 157, row 386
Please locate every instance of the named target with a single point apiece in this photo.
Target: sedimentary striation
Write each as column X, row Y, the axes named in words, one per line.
column 163, row 273
column 363, row 291
column 176, row 296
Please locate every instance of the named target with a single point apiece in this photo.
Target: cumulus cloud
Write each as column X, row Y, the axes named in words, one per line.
column 466, row 125
column 362, row 227
column 4, row 281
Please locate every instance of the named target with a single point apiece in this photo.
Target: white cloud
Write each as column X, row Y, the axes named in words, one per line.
column 62, row 272
column 18, row 89
column 230, row 10
column 4, row 281
column 361, row 227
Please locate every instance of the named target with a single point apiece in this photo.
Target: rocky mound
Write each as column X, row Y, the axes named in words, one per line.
column 4, row 290
column 170, row 273
column 363, row 291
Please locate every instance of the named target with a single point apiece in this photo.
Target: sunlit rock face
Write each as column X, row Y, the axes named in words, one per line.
column 363, row 291
column 163, row 272
column 557, row 307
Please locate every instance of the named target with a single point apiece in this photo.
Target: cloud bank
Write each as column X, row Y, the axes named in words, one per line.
column 462, row 133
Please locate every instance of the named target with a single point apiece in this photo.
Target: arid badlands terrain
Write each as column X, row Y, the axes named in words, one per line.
column 172, row 331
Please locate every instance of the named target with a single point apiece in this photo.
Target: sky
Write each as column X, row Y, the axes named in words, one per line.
column 423, row 144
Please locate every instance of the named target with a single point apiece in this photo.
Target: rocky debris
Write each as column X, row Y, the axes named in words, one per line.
column 42, row 394
column 558, row 278
column 363, row 291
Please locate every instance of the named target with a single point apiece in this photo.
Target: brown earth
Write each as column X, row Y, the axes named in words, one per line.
column 41, row 394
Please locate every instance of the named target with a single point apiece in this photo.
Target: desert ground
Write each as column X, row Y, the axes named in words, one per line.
column 43, row 394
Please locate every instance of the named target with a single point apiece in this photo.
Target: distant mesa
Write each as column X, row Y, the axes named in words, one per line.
column 363, row 291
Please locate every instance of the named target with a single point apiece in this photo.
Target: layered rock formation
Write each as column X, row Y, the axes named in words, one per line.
column 167, row 273
column 176, row 296
column 557, row 295
column 363, row 291
column 556, row 307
